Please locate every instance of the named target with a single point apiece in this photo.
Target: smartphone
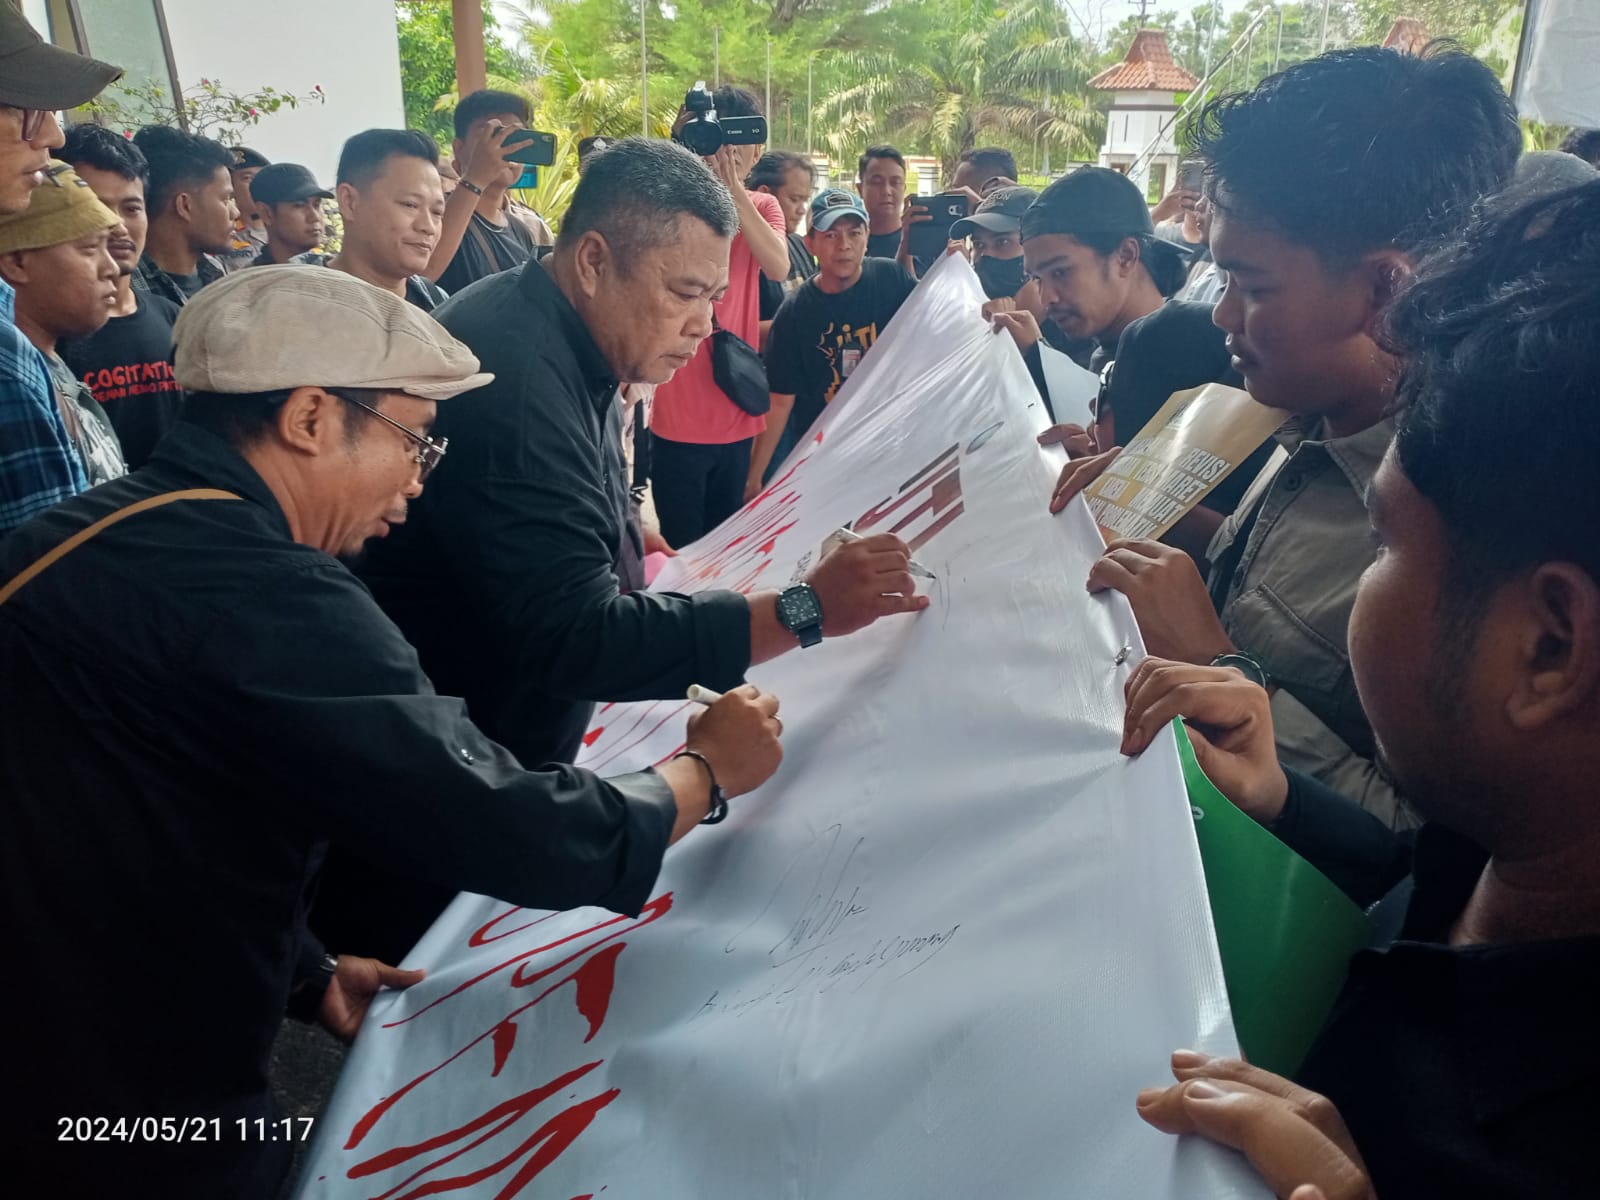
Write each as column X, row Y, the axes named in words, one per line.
column 528, row 180
column 531, row 148
column 928, row 239
column 1191, row 176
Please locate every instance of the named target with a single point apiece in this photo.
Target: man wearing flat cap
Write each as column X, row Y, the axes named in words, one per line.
column 198, row 694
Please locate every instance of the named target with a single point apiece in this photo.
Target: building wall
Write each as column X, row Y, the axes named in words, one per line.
column 350, row 47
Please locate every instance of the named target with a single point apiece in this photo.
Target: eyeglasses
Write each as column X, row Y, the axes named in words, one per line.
column 429, row 452
column 32, row 120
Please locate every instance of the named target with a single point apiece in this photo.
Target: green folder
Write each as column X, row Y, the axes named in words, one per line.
column 1285, row 932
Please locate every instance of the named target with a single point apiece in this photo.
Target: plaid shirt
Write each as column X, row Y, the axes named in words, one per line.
column 38, row 465
column 151, row 278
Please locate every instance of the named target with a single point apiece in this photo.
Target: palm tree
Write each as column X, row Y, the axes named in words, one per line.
column 991, row 73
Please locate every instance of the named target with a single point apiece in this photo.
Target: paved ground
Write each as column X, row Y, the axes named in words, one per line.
column 305, row 1063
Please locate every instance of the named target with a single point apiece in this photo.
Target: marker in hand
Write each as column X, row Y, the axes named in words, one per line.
column 842, row 535
column 703, row 695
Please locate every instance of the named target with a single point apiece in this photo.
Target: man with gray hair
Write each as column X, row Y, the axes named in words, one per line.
column 507, row 578
column 198, row 694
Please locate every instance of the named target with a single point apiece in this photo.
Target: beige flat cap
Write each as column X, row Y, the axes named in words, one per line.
column 265, row 329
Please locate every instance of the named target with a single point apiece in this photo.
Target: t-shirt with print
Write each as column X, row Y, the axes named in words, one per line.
column 127, row 366
column 690, row 407
column 818, row 339
column 486, row 249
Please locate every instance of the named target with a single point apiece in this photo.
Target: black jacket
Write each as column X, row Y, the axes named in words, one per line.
column 505, row 575
column 189, row 703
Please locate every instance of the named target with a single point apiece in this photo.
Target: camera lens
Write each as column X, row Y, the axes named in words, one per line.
column 701, row 136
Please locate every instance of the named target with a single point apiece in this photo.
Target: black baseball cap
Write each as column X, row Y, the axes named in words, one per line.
column 245, row 158
column 35, row 74
column 1000, row 212
column 284, row 183
column 1090, row 200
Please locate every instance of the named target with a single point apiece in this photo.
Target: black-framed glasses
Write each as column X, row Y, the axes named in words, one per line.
column 429, row 452
column 32, row 121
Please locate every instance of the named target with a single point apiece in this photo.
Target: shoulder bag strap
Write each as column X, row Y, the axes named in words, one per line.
column 60, row 551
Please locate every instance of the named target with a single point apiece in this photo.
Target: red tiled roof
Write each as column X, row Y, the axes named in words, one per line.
column 1147, row 66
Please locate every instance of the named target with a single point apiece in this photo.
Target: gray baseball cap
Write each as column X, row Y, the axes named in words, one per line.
column 35, row 74
column 1000, row 212
column 273, row 328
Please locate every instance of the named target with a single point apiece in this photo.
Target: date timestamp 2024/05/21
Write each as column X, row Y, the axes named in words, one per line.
column 183, row 1129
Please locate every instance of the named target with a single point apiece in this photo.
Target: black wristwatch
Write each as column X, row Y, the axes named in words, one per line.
column 718, row 810
column 1248, row 664
column 800, row 612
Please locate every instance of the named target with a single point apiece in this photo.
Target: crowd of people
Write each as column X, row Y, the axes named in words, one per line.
column 371, row 513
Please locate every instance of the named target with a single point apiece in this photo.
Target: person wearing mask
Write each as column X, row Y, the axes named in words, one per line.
column 55, row 258
column 249, row 232
column 700, row 440
column 391, row 203
column 190, row 201
column 197, row 618
column 1014, row 301
column 38, row 465
column 480, row 237
column 1454, row 1063
column 1316, row 237
column 825, row 329
column 127, row 364
column 505, row 577
column 790, row 179
column 289, row 200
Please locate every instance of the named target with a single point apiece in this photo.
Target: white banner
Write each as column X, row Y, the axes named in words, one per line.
column 937, row 956
column 1558, row 65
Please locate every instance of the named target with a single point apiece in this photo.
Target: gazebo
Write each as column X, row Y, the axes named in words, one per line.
column 1145, row 92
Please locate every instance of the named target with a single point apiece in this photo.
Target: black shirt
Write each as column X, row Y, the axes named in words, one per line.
column 1460, row 1070
column 504, row 578
column 486, row 249
column 1174, row 348
column 801, row 268
column 127, row 364
column 193, row 701
column 819, row 337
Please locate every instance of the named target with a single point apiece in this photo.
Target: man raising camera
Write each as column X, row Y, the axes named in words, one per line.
column 701, row 438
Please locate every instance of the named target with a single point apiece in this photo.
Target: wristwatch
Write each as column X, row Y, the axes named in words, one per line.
column 800, row 612
column 1248, row 664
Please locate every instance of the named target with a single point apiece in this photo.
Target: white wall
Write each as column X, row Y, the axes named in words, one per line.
column 348, row 46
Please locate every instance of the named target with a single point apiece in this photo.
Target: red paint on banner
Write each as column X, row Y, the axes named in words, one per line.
column 593, row 735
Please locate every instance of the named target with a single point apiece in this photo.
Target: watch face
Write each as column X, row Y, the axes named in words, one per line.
column 800, row 608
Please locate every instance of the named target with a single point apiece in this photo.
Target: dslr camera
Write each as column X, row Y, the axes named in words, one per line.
column 705, row 134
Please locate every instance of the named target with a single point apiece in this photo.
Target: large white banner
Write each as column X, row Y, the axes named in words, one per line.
column 936, row 956
column 1558, row 63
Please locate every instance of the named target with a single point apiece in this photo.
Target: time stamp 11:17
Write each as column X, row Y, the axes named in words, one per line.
column 183, row 1129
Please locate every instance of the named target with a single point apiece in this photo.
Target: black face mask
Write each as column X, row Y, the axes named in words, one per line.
column 1000, row 277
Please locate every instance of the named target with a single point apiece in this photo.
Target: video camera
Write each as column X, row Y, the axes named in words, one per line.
column 705, row 134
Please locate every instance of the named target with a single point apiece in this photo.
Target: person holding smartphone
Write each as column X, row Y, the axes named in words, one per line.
column 483, row 234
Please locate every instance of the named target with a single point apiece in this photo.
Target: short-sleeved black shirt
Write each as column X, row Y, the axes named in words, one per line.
column 127, row 365
column 486, row 249
column 819, row 337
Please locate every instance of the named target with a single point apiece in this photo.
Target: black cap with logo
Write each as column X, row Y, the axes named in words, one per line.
column 1000, row 212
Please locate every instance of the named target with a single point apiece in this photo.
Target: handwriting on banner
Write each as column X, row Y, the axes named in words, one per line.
column 827, row 937
column 588, row 963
